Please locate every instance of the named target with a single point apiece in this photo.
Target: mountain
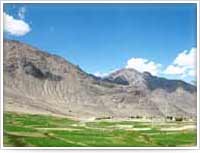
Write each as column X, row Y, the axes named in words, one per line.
column 40, row 83
column 132, row 77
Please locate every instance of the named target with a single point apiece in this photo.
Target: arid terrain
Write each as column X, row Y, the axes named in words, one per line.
column 49, row 102
column 38, row 82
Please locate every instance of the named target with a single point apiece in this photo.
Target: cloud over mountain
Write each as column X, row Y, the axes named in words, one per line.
column 184, row 64
column 142, row 65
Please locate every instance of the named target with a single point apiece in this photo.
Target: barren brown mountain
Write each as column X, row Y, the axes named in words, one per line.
column 38, row 82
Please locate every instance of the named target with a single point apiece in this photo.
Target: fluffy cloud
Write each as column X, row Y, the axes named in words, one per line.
column 14, row 26
column 186, row 59
column 142, row 65
column 21, row 12
column 184, row 64
column 174, row 69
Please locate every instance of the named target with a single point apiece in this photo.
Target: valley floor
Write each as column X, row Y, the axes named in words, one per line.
column 24, row 130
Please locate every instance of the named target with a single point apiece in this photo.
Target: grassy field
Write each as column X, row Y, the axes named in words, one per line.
column 23, row 130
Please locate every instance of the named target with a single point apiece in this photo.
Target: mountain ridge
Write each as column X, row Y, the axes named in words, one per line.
column 130, row 77
column 38, row 82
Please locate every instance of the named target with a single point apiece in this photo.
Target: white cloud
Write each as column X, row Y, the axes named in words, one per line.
column 142, row 65
column 100, row 74
column 21, row 13
column 14, row 26
column 174, row 69
column 184, row 64
column 104, row 74
column 186, row 59
column 192, row 73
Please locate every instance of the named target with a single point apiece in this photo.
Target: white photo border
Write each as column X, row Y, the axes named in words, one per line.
column 100, row 2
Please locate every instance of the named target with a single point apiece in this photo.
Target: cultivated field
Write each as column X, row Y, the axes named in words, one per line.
column 23, row 130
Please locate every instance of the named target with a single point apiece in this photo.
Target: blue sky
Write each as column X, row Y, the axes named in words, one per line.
column 100, row 38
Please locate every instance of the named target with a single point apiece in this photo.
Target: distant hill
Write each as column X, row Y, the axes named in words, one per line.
column 38, row 82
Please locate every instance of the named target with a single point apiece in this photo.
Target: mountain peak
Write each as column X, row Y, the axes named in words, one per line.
column 125, row 76
column 132, row 77
column 147, row 74
column 45, row 83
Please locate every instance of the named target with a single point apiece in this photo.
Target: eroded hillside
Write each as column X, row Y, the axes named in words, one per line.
column 38, row 82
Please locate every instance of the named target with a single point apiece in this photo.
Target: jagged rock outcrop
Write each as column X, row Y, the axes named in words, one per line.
column 38, row 82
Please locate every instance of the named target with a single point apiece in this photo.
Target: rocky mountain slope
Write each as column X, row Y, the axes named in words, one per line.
column 38, row 82
column 132, row 78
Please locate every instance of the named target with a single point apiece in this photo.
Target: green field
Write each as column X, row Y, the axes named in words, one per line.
column 23, row 130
